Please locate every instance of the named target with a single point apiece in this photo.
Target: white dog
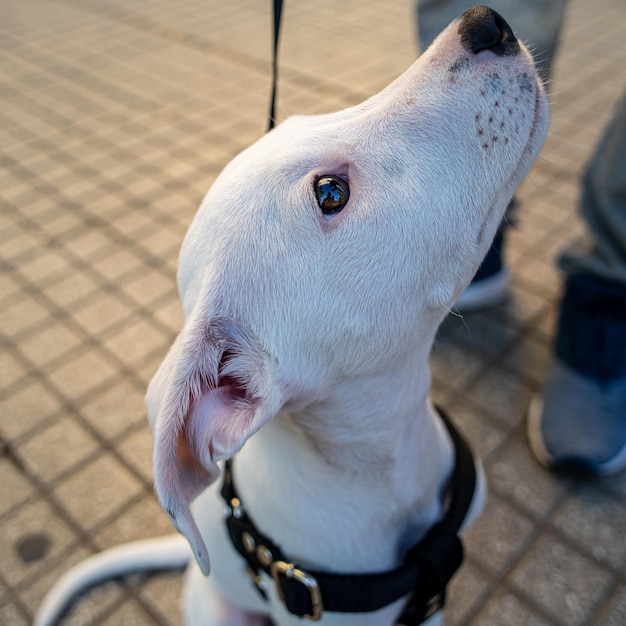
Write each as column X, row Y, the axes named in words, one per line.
column 313, row 280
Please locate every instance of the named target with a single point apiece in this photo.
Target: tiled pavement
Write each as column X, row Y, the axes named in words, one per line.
column 115, row 116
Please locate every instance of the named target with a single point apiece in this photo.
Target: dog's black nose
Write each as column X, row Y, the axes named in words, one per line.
column 481, row 28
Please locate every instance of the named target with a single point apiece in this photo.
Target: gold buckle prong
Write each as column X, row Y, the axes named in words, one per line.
column 289, row 570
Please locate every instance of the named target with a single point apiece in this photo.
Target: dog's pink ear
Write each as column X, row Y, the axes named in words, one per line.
column 209, row 396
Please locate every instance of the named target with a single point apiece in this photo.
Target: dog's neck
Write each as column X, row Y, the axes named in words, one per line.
column 371, row 454
column 381, row 427
column 375, row 454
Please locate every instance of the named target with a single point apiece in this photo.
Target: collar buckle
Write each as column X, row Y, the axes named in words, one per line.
column 422, row 577
column 290, row 594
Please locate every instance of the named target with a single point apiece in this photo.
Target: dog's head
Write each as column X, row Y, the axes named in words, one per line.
column 335, row 245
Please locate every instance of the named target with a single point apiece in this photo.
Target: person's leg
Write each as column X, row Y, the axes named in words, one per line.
column 537, row 23
column 602, row 252
column 580, row 419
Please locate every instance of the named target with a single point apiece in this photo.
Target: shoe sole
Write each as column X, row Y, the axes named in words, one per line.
column 485, row 293
column 541, row 453
column 533, row 429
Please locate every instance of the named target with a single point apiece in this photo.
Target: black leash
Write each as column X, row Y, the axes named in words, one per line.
column 423, row 576
column 278, row 10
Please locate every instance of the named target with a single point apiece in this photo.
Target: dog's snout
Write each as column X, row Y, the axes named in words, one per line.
column 481, row 28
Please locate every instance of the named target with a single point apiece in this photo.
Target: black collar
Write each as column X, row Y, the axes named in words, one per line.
column 424, row 574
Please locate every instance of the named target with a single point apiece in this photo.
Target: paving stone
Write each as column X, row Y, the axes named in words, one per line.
column 149, row 286
column 137, row 450
column 170, row 314
column 77, row 286
column 163, row 593
column 82, row 374
column 88, row 244
column 115, row 409
column 115, row 264
column 34, row 522
column 101, row 312
column 105, row 599
column 502, row 394
column 59, row 225
column 8, row 287
column 453, row 366
column 40, row 268
column 15, row 488
column 566, row 584
column 19, row 243
column 49, row 343
column 616, row 612
column 25, row 407
column 10, row 369
column 615, row 484
column 135, row 340
column 11, row 615
column 498, row 536
column 141, row 520
column 56, row 449
column 468, row 590
column 484, row 435
column 598, row 522
column 21, row 314
column 161, row 242
column 530, row 357
column 130, row 613
column 514, row 473
column 101, row 489
column 483, row 332
column 31, row 594
column 506, row 608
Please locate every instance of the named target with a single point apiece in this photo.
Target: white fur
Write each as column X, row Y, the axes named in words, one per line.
column 313, row 334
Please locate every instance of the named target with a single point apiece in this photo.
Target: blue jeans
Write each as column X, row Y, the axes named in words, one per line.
column 602, row 250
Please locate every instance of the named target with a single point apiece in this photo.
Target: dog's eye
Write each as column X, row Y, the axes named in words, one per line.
column 332, row 194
